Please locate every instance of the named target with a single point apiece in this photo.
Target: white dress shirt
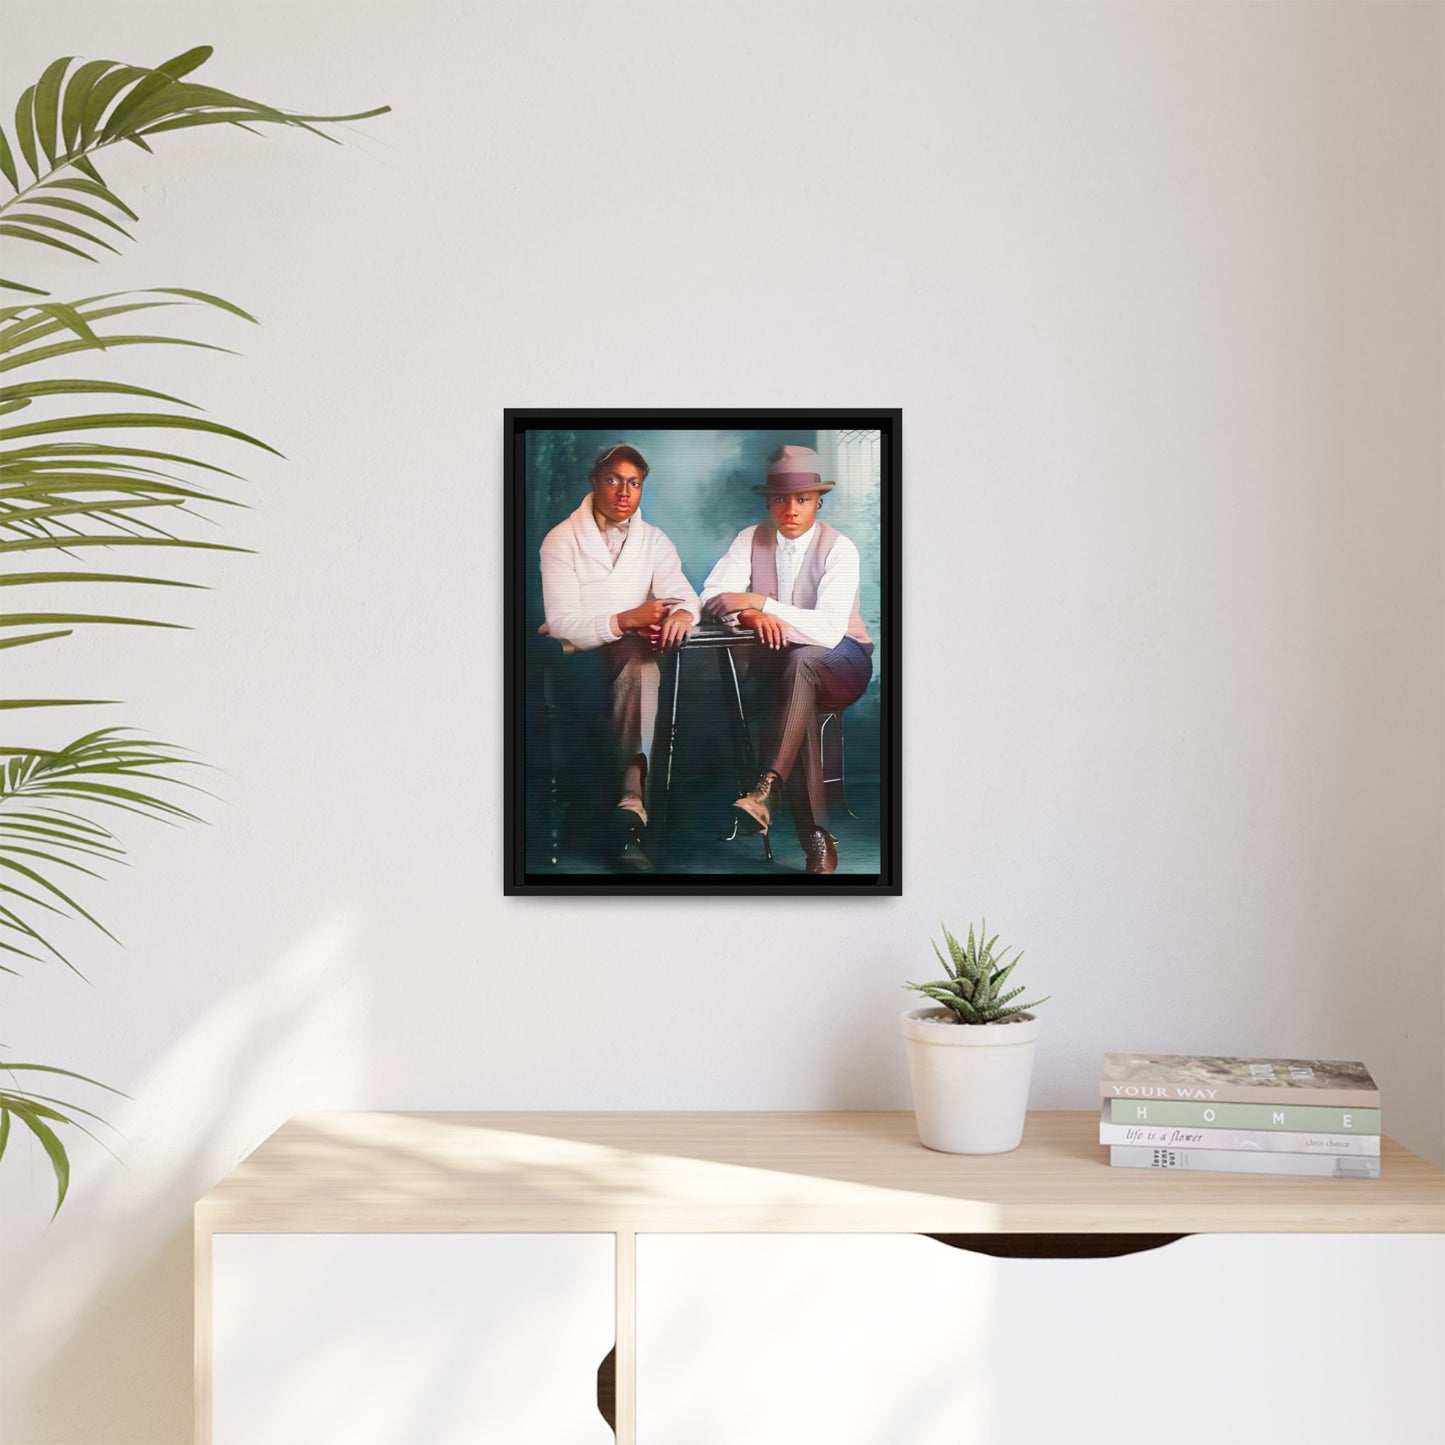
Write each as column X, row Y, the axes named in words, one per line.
column 584, row 586
column 615, row 535
column 787, row 558
column 824, row 625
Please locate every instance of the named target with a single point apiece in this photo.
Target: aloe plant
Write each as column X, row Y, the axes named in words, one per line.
column 973, row 989
column 75, row 481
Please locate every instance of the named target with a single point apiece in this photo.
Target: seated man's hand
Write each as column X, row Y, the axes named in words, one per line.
column 726, row 603
column 675, row 630
column 769, row 629
column 641, row 617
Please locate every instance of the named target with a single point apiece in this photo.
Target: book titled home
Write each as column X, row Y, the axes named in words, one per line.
column 1213, row 1079
column 1301, row 1118
column 1237, row 1161
column 1264, row 1141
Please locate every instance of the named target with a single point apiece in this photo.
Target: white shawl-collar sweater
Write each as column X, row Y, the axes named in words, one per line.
column 583, row 589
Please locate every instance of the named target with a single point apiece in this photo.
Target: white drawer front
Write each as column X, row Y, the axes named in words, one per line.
column 392, row 1339
column 870, row 1340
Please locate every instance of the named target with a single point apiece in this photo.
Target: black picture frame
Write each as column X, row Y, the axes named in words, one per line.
column 530, row 872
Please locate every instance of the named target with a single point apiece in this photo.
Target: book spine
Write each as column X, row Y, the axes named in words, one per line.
column 1234, row 1161
column 1297, row 1118
column 1268, row 1141
column 1240, row 1094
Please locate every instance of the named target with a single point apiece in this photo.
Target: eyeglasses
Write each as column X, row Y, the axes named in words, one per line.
column 616, row 483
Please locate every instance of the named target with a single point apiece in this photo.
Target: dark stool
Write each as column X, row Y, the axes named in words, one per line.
column 550, row 762
column 832, row 747
column 722, row 641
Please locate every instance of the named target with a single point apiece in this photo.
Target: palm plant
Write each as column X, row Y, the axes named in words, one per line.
column 973, row 989
column 75, row 485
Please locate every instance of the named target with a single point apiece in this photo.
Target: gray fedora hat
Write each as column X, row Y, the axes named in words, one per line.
column 794, row 469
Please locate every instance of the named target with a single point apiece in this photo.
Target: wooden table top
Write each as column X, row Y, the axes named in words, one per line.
column 746, row 1172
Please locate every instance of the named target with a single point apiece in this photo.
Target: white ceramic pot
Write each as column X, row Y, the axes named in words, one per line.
column 970, row 1081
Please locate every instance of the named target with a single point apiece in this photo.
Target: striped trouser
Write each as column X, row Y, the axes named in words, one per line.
column 797, row 683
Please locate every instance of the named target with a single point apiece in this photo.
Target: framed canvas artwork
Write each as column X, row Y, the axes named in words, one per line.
column 701, row 645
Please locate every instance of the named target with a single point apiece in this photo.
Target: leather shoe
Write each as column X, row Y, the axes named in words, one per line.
column 628, row 825
column 632, row 859
column 757, row 803
column 625, row 823
column 820, row 850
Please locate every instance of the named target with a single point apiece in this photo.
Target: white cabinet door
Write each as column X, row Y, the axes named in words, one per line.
column 397, row 1339
column 900, row 1340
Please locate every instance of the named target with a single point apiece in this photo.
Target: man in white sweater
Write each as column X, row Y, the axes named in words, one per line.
column 614, row 591
column 793, row 581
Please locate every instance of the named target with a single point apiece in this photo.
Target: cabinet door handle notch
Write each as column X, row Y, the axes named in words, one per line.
column 607, row 1389
column 1056, row 1246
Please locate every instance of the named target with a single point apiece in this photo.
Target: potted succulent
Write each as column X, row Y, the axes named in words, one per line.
column 971, row 1057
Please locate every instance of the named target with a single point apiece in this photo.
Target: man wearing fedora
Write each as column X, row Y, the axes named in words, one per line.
column 614, row 591
column 793, row 581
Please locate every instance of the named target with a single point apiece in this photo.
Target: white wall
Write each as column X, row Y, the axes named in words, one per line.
column 1159, row 290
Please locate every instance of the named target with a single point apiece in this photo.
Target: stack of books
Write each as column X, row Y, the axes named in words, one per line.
column 1244, row 1116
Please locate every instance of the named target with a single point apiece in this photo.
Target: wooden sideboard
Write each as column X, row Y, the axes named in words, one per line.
column 626, row 1175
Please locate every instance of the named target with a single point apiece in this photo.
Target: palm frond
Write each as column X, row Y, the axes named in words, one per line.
column 65, row 490
column 62, row 491
column 74, row 111
column 42, row 1113
column 110, row 768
